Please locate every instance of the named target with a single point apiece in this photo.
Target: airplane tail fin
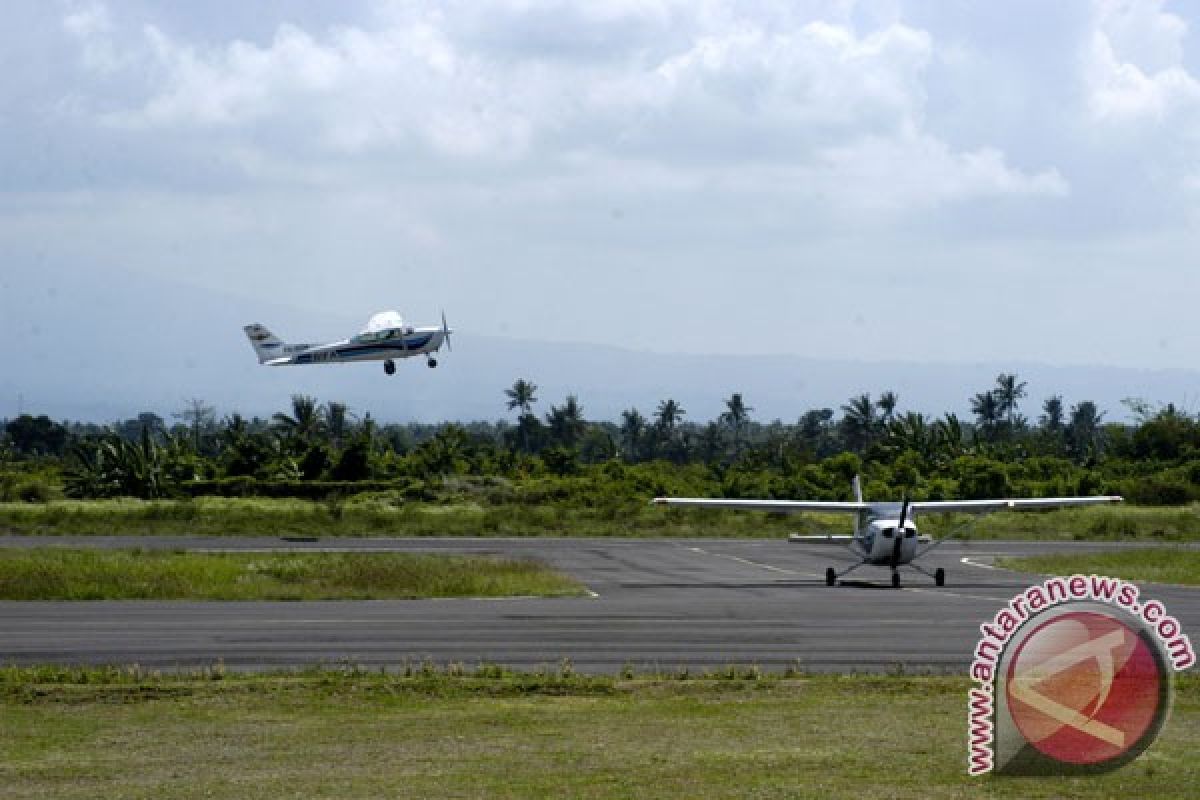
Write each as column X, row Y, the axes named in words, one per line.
column 266, row 345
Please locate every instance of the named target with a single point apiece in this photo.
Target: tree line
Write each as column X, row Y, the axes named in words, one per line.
column 999, row 449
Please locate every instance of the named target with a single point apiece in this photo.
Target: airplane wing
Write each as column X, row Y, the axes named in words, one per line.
column 1010, row 504
column 764, row 505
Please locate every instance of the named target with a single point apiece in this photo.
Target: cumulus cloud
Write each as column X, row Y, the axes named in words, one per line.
column 92, row 26
column 702, row 87
column 1133, row 66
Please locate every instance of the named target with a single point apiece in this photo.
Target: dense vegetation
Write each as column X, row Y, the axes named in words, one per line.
column 318, row 451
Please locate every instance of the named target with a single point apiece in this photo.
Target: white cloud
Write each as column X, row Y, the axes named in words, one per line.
column 92, row 26
column 894, row 174
column 1133, row 65
column 706, row 88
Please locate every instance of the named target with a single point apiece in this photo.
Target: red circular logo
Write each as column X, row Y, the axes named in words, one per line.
column 1085, row 688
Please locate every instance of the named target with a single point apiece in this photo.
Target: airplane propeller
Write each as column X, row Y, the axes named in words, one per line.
column 446, row 332
column 899, row 535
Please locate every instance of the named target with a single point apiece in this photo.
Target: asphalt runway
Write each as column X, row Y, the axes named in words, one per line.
column 657, row 605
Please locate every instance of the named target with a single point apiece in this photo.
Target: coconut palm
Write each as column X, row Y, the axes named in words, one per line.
column 305, row 421
column 566, row 422
column 1084, row 434
column 337, row 423
column 736, row 416
column 633, row 433
column 522, row 395
column 887, row 405
column 859, row 423
column 667, row 417
column 986, row 408
column 1009, row 392
column 1052, row 414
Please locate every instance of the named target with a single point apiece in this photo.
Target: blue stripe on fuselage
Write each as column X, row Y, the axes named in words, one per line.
column 351, row 351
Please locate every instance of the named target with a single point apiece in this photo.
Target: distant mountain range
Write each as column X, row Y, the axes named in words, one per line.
column 97, row 350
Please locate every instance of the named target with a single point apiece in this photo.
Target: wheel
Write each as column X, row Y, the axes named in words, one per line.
column 895, row 580
column 389, row 367
column 939, row 577
column 432, row 363
column 830, row 577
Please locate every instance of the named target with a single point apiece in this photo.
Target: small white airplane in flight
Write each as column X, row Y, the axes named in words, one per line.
column 385, row 339
column 884, row 533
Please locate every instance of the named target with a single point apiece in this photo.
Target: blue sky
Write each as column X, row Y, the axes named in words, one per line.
column 927, row 181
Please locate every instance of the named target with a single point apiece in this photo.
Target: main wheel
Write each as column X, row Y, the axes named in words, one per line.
column 432, row 363
column 895, row 580
column 389, row 367
column 939, row 577
column 830, row 577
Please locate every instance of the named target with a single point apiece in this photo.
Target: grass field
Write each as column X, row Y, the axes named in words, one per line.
column 96, row 733
column 1158, row 564
column 371, row 515
column 58, row 574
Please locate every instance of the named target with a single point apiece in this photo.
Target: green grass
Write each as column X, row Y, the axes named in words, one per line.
column 97, row 733
column 59, row 574
column 370, row 515
column 1155, row 564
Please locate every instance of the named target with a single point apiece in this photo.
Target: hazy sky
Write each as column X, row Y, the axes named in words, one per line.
column 932, row 181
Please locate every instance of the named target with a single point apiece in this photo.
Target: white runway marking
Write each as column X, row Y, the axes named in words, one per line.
column 952, row 594
column 971, row 563
column 748, row 562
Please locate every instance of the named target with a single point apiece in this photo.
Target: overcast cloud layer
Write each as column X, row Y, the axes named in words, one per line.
column 928, row 181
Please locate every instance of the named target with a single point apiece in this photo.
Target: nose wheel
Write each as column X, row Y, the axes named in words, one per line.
column 389, row 367
column 895, row 579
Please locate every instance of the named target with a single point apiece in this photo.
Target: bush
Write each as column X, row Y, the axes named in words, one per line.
column 1159, row 490
column 981, row 478
column 26, row 489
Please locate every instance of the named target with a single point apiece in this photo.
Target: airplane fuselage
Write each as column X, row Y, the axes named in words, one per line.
column 882, row 542
column 375, row 346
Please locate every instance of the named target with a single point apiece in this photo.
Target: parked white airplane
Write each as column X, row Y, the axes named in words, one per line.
column 884, row 533
column 385, row 339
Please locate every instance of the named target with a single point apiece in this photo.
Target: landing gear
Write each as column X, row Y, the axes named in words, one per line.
column 432, row 363
column 939, row 577
column 389, row 367
column 895, row 579
column 830, row 577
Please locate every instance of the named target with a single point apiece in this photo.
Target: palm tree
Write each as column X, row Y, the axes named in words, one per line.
column 566, row 422
column 887, row 405
column 522, row 395
column 913, row 432
column 950, row 440
column 305, row 421
column 633, row 432
column 859, row 423
column 666, row 417
column 336, row 419
column 1084, row 434
column 986, row 408
column 1052, row 414
column 1009, row 392
column 736, row 415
